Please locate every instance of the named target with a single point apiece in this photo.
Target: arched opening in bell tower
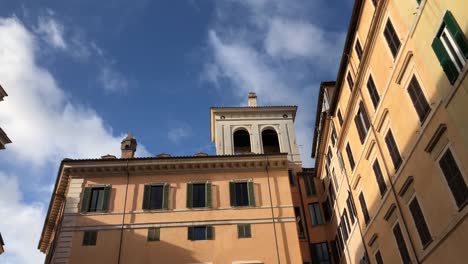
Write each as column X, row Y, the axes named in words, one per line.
column 242, row 142
column 270, row 141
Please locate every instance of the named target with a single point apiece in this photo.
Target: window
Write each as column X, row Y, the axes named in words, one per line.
column 378, row 257
column 156, row 197
column 335, row 251
column 270, row 141
column 291, row 177
column 392, row 38
column 351, row 208
column 365, row 213
column 153, row 233
column 451, row 47
column 454, row 178
column 420, row 222
column 331, row 191
column 340, row 117
column 315, row 215
column 310, row 185
column 350, row 81
column 326, row 210
column 335, row 180
column 345, row 225
column 241, row 142
column 374, row 95
column 379, row 177
column 333, row 135
column 362, row 122
column 89, row 238
column 242, row 193
column 340, row 241
column 320, row 253
column 299, row 222
column 96, row 199
column 199, row 195
column 350, row 156
column 200, row 233
column 405, row 257
column 393, row 149
column 329, row 156
column 340, row 160
column 419, row 100
column 243, row 231
column 358, row 49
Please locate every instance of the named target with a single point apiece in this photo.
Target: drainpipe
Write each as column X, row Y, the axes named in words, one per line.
column 271, row 207
column 123, row 215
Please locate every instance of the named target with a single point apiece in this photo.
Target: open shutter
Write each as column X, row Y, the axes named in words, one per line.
column 166, row 190
column 146, row 197
column 250, row 186
column 447, row 64
column 208, row 197
column 209, row 232
column 456, row 32
column 232, row 193
column 85, row 200
column 190, row 233
column 189, row 195
column 107, row 194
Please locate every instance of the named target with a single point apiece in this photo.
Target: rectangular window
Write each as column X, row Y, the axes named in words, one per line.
column 393, row 149
column 299, row 222
column 350, row 156
column 362, row 122
column 365, row 212
column 420, row 222
column 350, row 81
column 378, row 257
column 405, row 257
column 419, row 100
column 340, row 160
column 200, row 233
column 334, row 251
column 392, row 38
column 242, row 193
column 335, row 180
column 379, row 177
column 315, row 215
column 340, row 241
column 310, row 185
column 329, row 156
column 96, row 199
column 451, row 47
column 358, row 49
column 320, row 253
column 351, row 208
column 243, row 231
column 372, row 89
column 326, row 210
column 333, row 135
column 331, row 191
column 156, row 196
column 199, row 195
column 153, row 233
column 344, row 226
column 89, row 238
column 340, row 117
column 291, row 177
column 454, row 178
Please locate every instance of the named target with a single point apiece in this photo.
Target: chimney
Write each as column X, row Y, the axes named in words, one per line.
column 252, row 100
column 128, row 147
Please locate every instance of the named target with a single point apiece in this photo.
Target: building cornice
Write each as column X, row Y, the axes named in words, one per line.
column 2, row 93
column 3, row 139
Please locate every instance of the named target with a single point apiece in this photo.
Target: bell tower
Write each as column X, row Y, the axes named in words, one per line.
column 255, row 129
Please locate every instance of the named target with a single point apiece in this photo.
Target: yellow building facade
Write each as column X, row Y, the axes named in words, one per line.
column 391, row 139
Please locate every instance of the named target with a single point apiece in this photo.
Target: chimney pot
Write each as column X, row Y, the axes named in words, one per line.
column 128, row 147
column 252, row 99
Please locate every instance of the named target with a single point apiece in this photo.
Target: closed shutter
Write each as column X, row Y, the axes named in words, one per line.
column 248, row 232
column 208, row 195
column 190, row 233
column 166, row 192
column 250, row 186
column 189, row 195
column 153, row 234
column 146, row 197
column 232, row 193
column 360, row 128
column 456, row 32
column 447, row 64
column 85, row 200
column 209, row 233
column 107, row 194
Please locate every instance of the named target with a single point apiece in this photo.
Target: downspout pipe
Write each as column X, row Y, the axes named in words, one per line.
column 267, row 165
column 123, row 215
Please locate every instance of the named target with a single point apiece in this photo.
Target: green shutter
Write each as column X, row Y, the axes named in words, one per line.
column 209, row 232
column 248, row 233
column 146, row 197
column 107, row 194
column 85, row 200
column 166, row 190
column 190, row 233
column 250, row 186
column 456, row 32
column 189, row 195
column 444, row 59
column 240, row 231
column 153, row 233
column 232, row 193
column 208, row 194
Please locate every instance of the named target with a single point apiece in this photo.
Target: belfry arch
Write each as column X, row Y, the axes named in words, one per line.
column 270, row 141
column 242, row 142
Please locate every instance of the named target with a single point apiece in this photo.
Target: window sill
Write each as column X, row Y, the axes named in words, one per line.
column 427, row 244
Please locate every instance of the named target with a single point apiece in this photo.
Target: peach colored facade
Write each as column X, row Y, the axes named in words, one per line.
column 391, row 135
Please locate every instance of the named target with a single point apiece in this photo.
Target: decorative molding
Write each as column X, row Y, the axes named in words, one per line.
column 409, row 181
column 435, row 138
column 404, row 66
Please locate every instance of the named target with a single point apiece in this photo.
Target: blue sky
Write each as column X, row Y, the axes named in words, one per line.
column 80, row 74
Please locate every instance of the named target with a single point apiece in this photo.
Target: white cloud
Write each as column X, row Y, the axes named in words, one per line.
column 112, row 80
column 41, row 121
column 21, row 224
column 52, row 32
column 178, row 132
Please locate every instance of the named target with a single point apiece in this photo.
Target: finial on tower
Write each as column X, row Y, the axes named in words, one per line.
column 128, row 147
column 252, row 99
